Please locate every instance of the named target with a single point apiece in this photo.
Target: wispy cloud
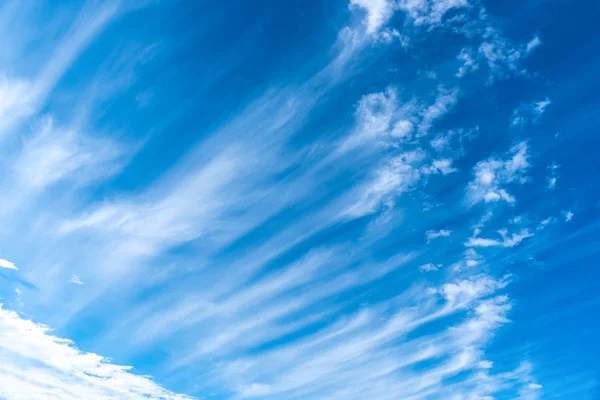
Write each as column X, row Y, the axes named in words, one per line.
column 21, row 96
column 492, row 176
column 432, row 234
column 529, row 112
column 53, row 154
column 271, row 247
column 505, row 241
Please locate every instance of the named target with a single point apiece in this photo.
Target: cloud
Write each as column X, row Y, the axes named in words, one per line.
column 531, row 112
column 7, row 264
column 568, row 215
column 396, row 176
column 491, row 176
column 442, row 166
column 506, row 240
column 500, row 55
column 553, row 176
column 245, row 266
column 430, row 267
column 370, row 354
column 432, row 234
column 469, row 62
column 444, row 101
column 429, row 12
column 53, row 154
column 382, row 118
column 76, row 280
column 545, row 222
column 540, row 106
column 22, row 96
column 533, row 44
column 38, row 365
column 378, row 13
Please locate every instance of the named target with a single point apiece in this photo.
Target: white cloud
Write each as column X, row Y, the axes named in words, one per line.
column 540, row 106
column 444, row 101
column 433, row 234
column 430, row 267
column 501, row 56
column 552, row 176
column 76, row 280
column 493, row 174
column 21, row 97
column 54, row 154
column 389, row 35
column 396, row 176
column 16, row 100
column 529, row 112
column 533, row 44
column 568, row 215
column 429, row 12
column 506, row 240
column 544, row 223
column 442, row 142
column 469, row 62
column 378, row 13
column 368, row 354
column 402, row 128
column 38, row 365
column 7, row 264
column 442, row 166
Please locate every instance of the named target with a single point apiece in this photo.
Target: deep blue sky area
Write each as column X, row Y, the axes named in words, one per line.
column 347, row 199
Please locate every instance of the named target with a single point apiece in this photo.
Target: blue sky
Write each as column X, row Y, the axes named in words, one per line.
column 343, row 199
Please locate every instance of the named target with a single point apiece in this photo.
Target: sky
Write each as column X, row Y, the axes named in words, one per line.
column 317, row 199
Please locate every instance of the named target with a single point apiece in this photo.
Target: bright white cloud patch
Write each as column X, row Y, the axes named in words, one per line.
column 378, row 12
column 37, row 365
column 7, row 264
